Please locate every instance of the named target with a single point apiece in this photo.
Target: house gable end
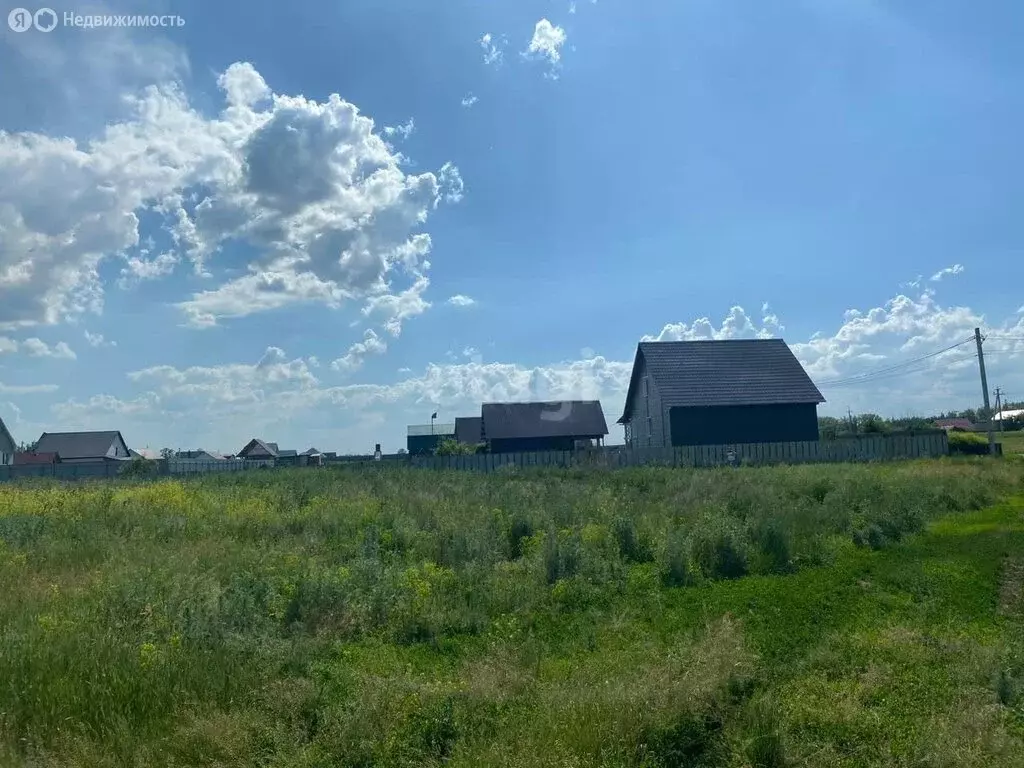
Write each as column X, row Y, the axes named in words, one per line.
column 638, row 365
column 258, row 448
column 118, row 447
column 7, row 444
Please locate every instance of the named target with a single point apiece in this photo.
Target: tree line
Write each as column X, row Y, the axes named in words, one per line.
column 872, row 423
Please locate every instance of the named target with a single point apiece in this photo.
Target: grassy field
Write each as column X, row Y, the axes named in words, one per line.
column 1013, row 442
column 813, row 616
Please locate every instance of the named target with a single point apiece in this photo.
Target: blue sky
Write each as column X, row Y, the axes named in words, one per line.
column 199, row 245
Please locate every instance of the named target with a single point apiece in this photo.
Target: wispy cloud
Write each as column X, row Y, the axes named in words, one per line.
column 494, row 49
column 29, row 389
column 458, row 300
column 956, row 269
column 469, row 100
column 405, row 131
column 97, row 340
column 371, row 344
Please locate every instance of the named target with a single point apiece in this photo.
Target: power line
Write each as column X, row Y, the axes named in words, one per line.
column 918, row 368
column 871, row 375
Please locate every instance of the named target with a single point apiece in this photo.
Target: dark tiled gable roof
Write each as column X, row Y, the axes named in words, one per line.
column 569, row 418
column 77, row 445
column 469, row 429
column 270, row 448
column 692, row 374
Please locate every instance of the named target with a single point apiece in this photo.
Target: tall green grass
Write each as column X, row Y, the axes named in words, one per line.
column 388, row 617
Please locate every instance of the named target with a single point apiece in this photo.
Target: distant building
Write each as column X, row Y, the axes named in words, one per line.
column 424, row 438
column 258, row 449
column 7, row 445
column 964, row 425
column 469, row 430
column 718, row 393
column 198, row 455
column 289, row 458
column 270, row 454
column 84, row 447
column 29, row 458
column 1005, row 415
column 144, row 453
column 550, row 426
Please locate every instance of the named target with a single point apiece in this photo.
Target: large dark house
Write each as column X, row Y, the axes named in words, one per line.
column 469, row 430
column 558, row 426
column 718, row 393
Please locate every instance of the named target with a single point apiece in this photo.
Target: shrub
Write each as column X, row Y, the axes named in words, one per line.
column 521, row 529
column 721, row 553
column 140, row 468
column 632, row 547
column 968, row 443
column 875, row 537
column 774, row 552
column 1006, row 692
column 449, row 447
column 675, row 562
column 767, row 748
column 562, row 555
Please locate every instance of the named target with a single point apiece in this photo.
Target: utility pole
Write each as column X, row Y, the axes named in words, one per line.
column 853, row 427
column 984, row 391
column 999, row 408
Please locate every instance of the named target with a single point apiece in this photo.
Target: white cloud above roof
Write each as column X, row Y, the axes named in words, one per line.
column 321, row 200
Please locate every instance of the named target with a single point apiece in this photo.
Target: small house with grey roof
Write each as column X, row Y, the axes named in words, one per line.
column 541, row 426
column 84, row 447
column 259, row 449
column 719, row 393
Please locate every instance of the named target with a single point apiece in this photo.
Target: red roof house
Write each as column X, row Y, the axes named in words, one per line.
column 26, row 458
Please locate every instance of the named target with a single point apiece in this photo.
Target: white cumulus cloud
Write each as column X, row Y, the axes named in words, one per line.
column 458, row 300
column 546, row 44
column 39, row 348
column 315, row 193
column 736, row 325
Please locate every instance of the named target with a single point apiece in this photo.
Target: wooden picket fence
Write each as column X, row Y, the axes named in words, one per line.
column 866, row 448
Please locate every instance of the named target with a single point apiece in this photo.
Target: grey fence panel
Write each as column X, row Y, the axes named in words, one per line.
column 863, row 448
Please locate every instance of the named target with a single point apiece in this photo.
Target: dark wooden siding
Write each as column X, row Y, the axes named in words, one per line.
column 418, row 445
column 648, row 421
column 744, row 424
column 533, row 444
